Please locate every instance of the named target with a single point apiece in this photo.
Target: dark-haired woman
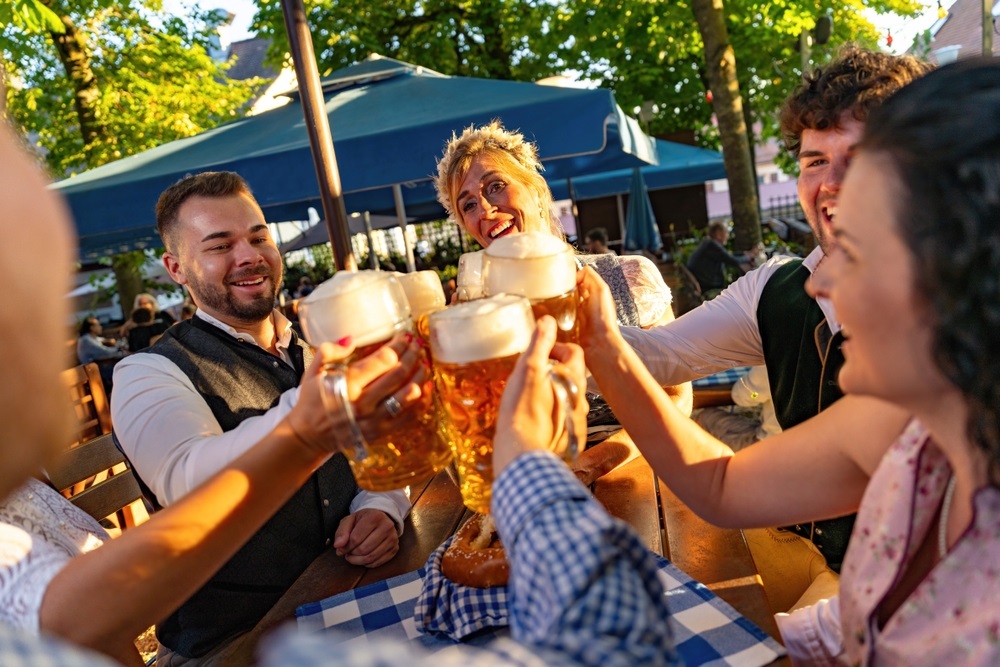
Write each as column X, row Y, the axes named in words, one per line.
column 914, row 276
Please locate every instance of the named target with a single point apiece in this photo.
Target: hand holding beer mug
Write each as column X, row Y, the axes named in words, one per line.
column 469, row 281
column 540, row 267
column 525, row 421
column 370, row 307
column 475, row 346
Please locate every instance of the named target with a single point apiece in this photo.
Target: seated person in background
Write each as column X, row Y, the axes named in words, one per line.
column 913, row 278
column 305, row 287
column 212, row 386
column 149, row 302
column 91, row 346
column 144, row 329
column 597, row 242
column 709, row 260
column 54, row 580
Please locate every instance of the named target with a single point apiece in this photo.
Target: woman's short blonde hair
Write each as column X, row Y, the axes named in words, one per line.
column 512, row 153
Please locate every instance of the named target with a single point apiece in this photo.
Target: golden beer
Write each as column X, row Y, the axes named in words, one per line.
column 540, row 267
column 469, row 397
column 475, row 346
column 371, row 307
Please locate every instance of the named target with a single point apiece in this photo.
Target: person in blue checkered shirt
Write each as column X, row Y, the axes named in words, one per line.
column 583, row 587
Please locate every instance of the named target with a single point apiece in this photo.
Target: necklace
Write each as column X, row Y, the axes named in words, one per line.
column 949, row 493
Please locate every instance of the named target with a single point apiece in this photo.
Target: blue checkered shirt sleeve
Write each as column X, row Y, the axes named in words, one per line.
column 583, row 584
column 584, row 590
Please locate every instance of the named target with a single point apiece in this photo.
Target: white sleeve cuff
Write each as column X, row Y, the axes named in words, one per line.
column 394, row 503
column 812, row 634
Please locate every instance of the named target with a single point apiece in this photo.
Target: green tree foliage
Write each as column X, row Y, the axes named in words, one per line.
column 652, row 51
column 92, row 81
column 120, row 78
column 500, row 39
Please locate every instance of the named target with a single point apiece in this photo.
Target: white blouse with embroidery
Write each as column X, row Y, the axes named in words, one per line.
column 40, row 531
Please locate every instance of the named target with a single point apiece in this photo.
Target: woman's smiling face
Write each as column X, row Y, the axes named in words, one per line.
column 492, row 202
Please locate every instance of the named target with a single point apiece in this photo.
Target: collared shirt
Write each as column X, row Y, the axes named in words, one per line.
column 174, row 441
column 584, row 588
column 90, row 348
column 719, row 334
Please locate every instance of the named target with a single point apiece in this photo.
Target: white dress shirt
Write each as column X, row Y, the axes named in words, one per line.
column 717, row 335
column 170, row 435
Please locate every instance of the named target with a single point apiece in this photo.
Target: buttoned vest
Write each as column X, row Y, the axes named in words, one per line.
column 238, row 381
column 803, row 359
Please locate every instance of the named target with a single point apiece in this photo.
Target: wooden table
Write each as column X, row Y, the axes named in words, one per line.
column 717, row 557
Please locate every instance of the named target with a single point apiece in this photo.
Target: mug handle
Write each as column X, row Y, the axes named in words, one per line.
column 567, row 394
column 336, row 400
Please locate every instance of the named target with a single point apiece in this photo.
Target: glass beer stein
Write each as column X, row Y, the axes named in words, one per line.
column 540, row 267
column 475, row 346
column 371, row 307
column 425, row 296
column 469, row 281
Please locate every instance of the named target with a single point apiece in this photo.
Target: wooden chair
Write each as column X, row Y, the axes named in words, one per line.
column 116, row 494
column 89, row 477
column 90, row 403
column 691, row 295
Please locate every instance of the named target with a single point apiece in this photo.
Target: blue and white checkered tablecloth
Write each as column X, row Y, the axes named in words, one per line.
column 707, row 630
column 728, row 376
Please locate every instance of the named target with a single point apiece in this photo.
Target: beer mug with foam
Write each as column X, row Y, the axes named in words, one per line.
column 540, row 267
column 425, row 296
column 371, row 307
column 475, row 346
column 469, row 281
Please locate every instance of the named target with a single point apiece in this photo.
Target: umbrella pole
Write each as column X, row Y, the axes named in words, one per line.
column 397, row 197
column 318, row 127
column 621, row 219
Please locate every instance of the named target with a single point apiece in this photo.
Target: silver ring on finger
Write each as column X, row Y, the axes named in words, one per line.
column 392, row 406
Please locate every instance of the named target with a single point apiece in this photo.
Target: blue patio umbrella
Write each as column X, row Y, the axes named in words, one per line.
column 679, row 165
column 641, row 232
column 389, row 120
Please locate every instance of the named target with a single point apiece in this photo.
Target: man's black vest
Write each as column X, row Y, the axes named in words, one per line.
column 803, row 360
column 240, row 380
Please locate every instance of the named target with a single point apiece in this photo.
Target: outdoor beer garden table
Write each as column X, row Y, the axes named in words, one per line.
column 716, row 557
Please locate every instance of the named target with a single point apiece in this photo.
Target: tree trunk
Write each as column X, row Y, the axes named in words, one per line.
column 720, row 65
column 128, row 278
column 72, row 50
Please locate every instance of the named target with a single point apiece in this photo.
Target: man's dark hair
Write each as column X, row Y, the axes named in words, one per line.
column 86, row 324
column 858, row 80
column 942, row 140
column 142, row 316
column 205, row 184
column 598, row 234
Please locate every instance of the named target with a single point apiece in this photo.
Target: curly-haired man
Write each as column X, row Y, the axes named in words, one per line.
column 767, row 317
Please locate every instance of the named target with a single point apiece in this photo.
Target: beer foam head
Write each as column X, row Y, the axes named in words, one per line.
column 492, row 328
column 423, row 291
column 536, row 265
column 369, row 306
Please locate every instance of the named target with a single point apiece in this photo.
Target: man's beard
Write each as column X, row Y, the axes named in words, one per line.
column 222, row 301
